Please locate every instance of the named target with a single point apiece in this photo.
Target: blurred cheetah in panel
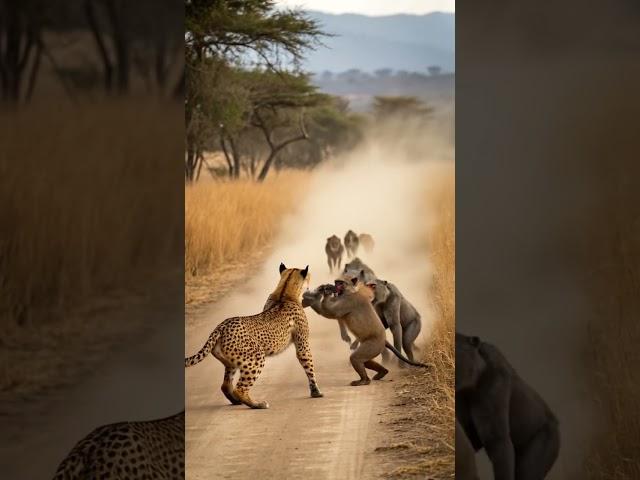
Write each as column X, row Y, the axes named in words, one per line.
column 243, row 343
column 128, row 450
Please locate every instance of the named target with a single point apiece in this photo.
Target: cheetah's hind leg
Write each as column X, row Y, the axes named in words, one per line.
column 227, row 385
column 229, row 372
column 250, row 368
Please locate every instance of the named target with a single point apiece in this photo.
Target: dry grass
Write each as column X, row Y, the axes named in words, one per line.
column 427, row 399
column 85, row 197
column 614, row 281
column 228, row 221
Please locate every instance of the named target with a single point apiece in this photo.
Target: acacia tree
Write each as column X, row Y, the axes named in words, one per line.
column 233, row 31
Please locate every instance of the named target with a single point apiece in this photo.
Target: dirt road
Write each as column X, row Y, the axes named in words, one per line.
column 299, row 437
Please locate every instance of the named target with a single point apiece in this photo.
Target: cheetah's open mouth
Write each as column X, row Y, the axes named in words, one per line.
column 339, row 287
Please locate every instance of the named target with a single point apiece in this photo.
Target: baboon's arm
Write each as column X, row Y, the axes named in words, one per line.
column 337, row 307
column 391, row 311
column 343, row 332
column 392, row 316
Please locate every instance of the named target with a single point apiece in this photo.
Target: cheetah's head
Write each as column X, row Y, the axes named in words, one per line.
column 293, row 281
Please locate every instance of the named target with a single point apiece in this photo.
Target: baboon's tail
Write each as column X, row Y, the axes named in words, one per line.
column 403, row 358
column 206, row 348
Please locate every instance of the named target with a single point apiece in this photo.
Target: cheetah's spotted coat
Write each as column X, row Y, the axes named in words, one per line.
column 129, row 450
column 243, row 343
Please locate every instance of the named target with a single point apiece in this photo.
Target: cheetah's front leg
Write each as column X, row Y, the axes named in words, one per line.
column 303, row 352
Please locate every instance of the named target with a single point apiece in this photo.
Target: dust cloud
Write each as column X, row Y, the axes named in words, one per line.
column 380, row 188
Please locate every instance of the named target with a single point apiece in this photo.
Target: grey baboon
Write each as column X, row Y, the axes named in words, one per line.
column 502, row 414
column 366, row 241
column 465, row 456
column 351, row 303
column 335, row 251
column 354, row 269
column 351, row 243
column 396, row 313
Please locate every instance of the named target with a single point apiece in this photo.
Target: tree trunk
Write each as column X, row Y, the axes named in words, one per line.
column 190, row 163
column 226, row 155
column 236, row 158
column 121, row 43
column 107, row 64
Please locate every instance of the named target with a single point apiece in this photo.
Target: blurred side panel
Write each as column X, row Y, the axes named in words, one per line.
column 91, row 222
column 548, row 209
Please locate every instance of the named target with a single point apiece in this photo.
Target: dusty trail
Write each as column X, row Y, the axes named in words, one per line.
column 301, row 437
column 298, row 436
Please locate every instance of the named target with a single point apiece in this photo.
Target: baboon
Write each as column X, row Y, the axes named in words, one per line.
column 502, row 414
column 351, row 243
column 396, row 313
column 350, row 302
column 465, row 456
column 367, row 242
column 354, row 269
column 335, row 251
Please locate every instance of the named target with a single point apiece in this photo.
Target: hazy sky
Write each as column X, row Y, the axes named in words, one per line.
column 373, row 7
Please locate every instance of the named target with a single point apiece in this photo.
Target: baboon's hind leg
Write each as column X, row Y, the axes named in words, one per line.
column 250, row 369
column 535, row 459
column 360, row 358
column 373, row 365
column 409, row 336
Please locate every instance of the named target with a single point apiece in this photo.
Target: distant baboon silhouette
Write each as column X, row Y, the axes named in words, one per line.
column 351, row 243
column 366, row 241
column 334, row 251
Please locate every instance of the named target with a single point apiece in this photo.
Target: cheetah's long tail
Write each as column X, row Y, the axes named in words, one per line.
column 405, row 359
column 205, row 350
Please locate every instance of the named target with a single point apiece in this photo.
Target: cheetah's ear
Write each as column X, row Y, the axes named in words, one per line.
column 282, row 267
column 305, row 272
column 354, row 280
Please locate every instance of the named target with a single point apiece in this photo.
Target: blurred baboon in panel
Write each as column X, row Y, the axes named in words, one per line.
column 560, row 85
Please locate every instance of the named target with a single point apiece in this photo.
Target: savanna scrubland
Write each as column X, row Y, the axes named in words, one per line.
column 227, row 240
column 87, row 198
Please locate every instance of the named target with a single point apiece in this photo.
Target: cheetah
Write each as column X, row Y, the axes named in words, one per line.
column 243, row 343
column 129, row 450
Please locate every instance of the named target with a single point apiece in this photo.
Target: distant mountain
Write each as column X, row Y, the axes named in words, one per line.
column 399, row 42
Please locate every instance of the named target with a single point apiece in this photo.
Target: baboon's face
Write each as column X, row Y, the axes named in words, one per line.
column 469, row 362
column 333, row 242
column 345, row 285
column 380, row 289
column 350, row 237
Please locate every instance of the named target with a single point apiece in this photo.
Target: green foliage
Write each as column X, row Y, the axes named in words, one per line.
column 405, row 106
column 242, row 102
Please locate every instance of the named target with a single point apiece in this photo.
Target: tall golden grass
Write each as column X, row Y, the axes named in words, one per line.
column 227, row 221
column 440, row 348
column 90, row 205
